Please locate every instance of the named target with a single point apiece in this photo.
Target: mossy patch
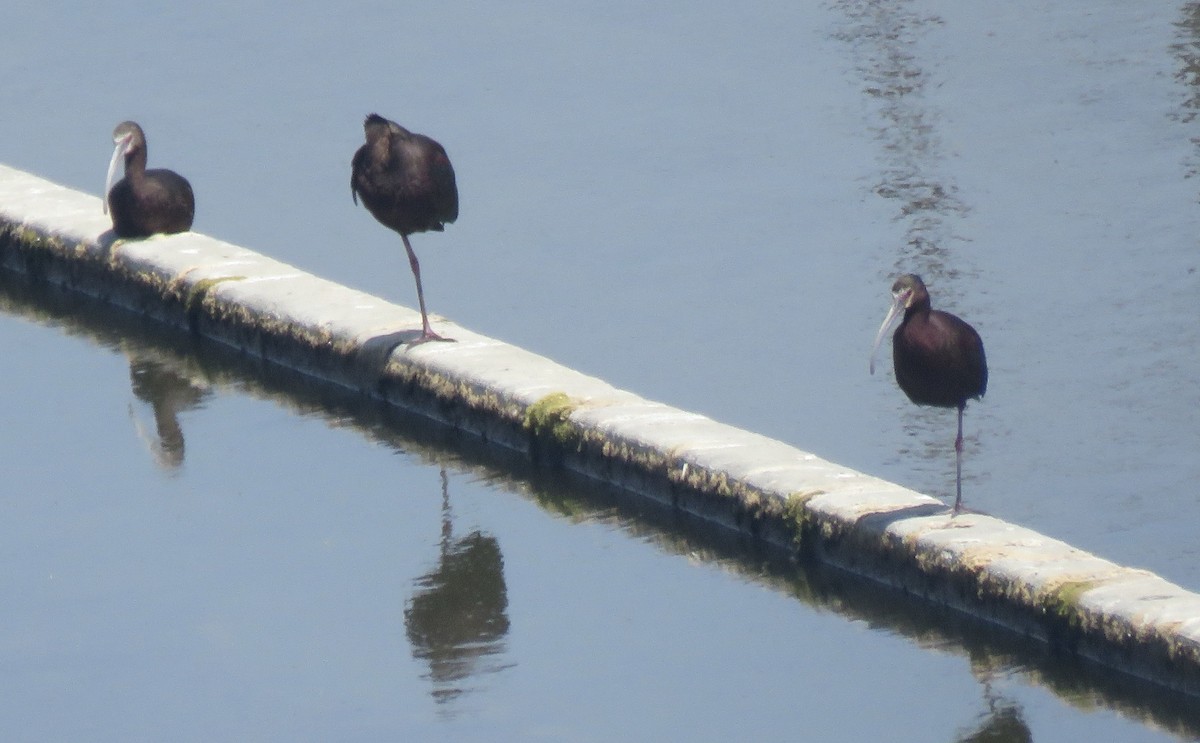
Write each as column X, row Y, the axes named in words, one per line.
column 550, row 418
column 13, row 234
column 40, row 254
column 32, row 238
column 797, row 515
column 1063, row 600
column 201, row 288
column 551, row 432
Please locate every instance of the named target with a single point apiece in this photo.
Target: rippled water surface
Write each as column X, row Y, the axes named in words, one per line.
column 702, row 203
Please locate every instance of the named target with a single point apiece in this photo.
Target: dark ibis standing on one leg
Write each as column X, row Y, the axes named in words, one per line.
column 144, row 202
column 938, row 357
column 406, row 181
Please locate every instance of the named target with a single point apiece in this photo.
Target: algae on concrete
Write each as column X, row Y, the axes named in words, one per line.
column 199, row 291
column 1063, row 600
column 550, row 419
column 797, row 514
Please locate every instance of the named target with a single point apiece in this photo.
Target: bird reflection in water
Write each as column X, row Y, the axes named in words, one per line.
column 457, row 619
column 1001, row 723
column 169, row 392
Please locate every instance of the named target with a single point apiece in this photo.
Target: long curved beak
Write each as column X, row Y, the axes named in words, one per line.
column 111, row 178
column 896, row 308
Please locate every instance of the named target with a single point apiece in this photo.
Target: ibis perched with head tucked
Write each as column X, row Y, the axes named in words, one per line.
column 407, row 183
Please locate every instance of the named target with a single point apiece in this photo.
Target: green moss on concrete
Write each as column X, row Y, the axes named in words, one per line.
column 457, row 393
column 1063, row 601
column 712, row 493
column 28, row 238
column 198, row 291
column 798, row 516
column 550, row 419
column 642, row 458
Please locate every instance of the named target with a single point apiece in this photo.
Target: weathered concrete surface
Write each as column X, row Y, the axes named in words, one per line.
column 1127, row 619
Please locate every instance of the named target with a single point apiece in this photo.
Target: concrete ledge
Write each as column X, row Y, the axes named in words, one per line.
column 1126, row 619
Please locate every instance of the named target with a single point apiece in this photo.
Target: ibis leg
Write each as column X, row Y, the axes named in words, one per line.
column 958, row 446
column 427, row 333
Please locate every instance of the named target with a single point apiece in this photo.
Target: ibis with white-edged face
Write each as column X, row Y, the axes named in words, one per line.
column 938, row 357
column 144, row 202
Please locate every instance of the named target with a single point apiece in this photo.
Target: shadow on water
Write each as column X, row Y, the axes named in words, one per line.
column 457, row 617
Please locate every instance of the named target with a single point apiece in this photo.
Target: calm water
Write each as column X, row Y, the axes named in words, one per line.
column 701, row 203
column 230, row 553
